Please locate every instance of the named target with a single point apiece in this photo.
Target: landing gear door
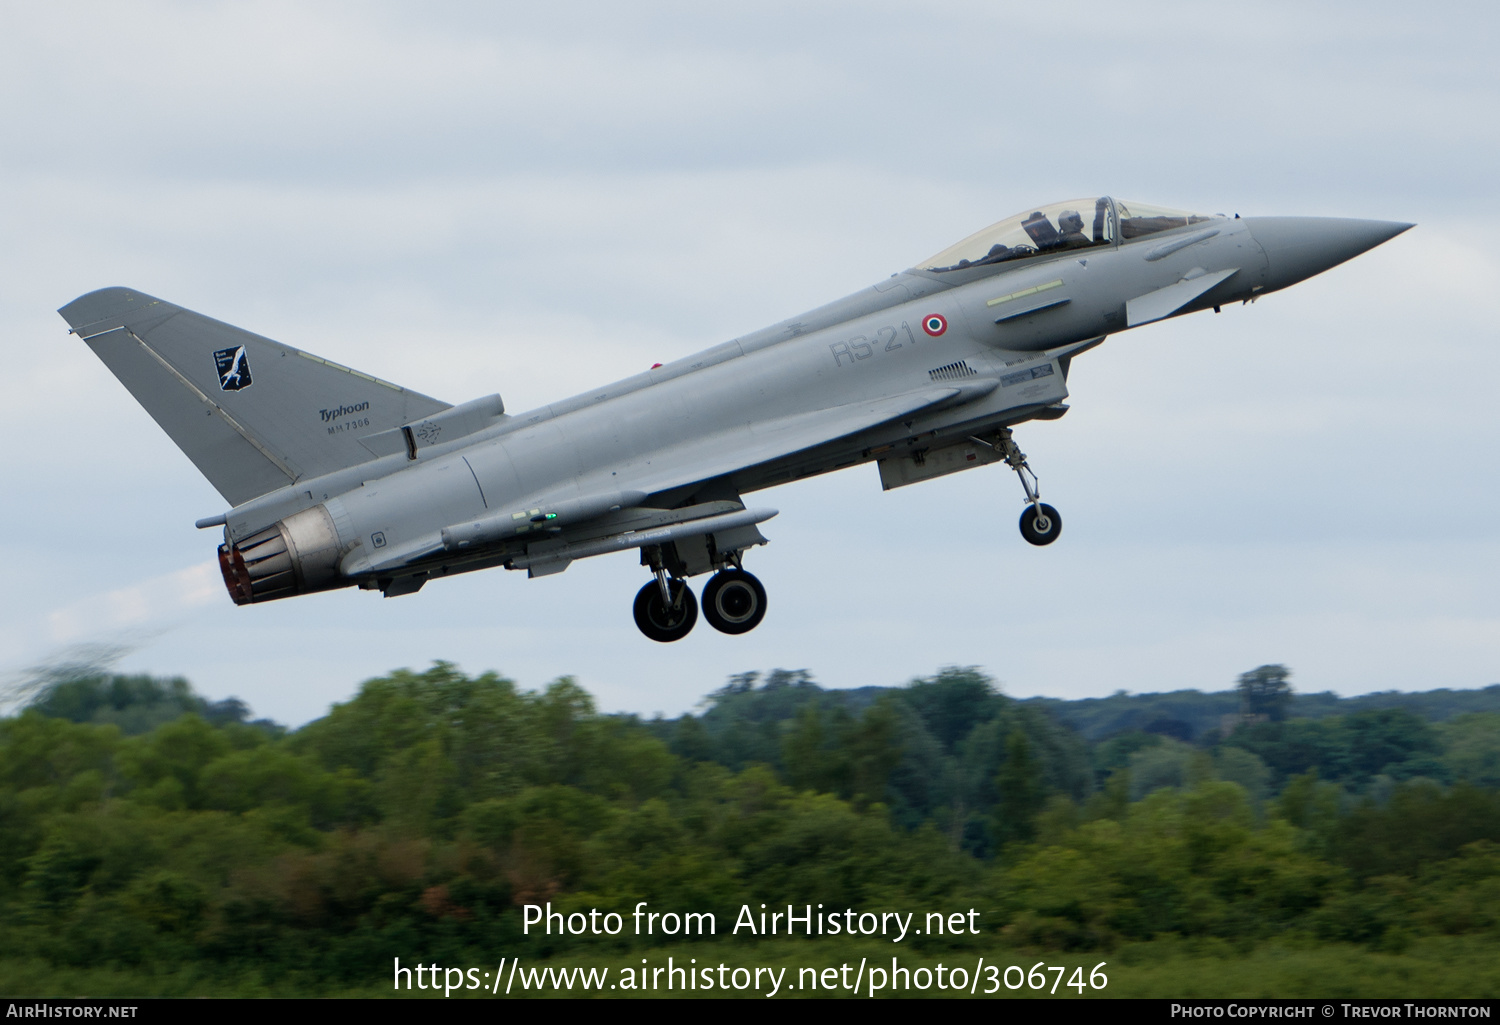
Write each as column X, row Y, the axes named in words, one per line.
column 921, row 464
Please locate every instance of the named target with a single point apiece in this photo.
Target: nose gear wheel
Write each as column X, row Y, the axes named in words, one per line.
column 1040, row 524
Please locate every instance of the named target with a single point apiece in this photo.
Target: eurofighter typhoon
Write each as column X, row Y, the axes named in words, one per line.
column 335, row 478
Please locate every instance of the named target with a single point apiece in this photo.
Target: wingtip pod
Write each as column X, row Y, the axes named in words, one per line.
column 107, row 308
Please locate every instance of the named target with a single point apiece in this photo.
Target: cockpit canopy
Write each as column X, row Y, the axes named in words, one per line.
column 1059, row 227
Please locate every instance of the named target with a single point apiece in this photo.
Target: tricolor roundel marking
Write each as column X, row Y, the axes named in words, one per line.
column 934, row 324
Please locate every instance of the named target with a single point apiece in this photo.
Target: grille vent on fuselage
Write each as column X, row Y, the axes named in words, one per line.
column 953, row 371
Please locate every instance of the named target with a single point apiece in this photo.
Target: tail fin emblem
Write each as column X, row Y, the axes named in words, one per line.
column 234, row 368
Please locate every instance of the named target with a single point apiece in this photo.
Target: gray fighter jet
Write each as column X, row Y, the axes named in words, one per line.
column 336, row 478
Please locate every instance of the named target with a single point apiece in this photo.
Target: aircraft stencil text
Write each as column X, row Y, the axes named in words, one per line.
column 887, row 339
column 330, row 415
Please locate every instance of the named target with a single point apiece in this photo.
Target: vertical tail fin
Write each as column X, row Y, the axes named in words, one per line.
column 252, row 414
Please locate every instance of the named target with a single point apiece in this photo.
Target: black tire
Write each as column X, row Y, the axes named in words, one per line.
column 661, row 623
column 734, row 602
column 1041, row 530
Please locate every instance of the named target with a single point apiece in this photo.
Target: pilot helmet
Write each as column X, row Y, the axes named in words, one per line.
column 1070, row 221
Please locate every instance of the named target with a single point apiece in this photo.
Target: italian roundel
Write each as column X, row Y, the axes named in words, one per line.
column 934, row 324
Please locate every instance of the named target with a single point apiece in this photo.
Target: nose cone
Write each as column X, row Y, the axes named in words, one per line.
column 1298, row 247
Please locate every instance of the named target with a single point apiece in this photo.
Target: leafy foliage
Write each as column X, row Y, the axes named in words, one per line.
column 1264, row 691
column 1350, row 749
column 1193, row 715
column 136, row 704
column 419, row 815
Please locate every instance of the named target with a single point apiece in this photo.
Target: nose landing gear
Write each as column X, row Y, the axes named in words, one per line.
column 1040, row 523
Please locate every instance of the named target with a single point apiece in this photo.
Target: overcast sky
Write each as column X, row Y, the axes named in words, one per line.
column 537, row 199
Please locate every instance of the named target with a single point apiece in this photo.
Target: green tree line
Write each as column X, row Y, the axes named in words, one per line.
column 141, row 826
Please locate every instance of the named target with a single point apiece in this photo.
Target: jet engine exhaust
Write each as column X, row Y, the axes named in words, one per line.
column 297, row 555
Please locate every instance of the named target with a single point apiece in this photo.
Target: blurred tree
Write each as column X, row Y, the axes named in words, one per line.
column 1178, row 729
column 1019, row 791
column 136, row 704
column 419, row 814
column 918, row 783
column 745, row 722
column 1176, row 862
column 1390, row 741
column 1418, row 826
column 1471, row 746
column 804, row 751
column 874, row 750
column 1265, row 691
column 1236, row 765
column 1351, row 749
column 1115, row 752
column 690, row 741
column 779, row 678
column 1111, row 801
column 166, row 763
column 1167, row 764
column 954, row 702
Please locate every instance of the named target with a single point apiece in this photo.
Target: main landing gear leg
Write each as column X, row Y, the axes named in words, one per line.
column 734, row 602
column 1040, row 523
column 665, row 609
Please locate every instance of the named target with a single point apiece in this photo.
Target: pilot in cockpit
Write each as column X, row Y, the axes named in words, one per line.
column 1071, row 223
